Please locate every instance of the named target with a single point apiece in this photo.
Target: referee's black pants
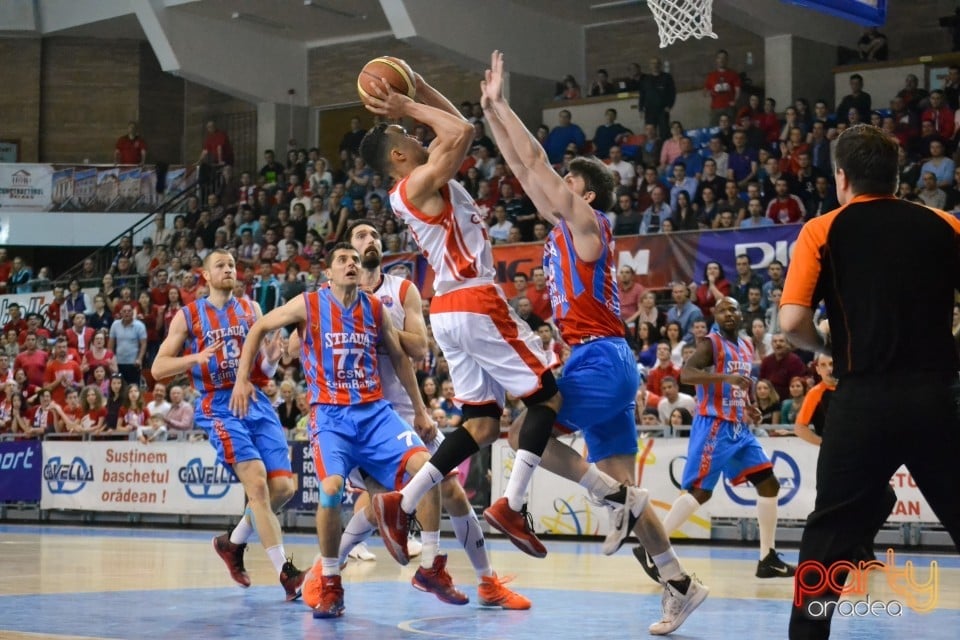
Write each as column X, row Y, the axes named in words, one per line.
column 875, row 424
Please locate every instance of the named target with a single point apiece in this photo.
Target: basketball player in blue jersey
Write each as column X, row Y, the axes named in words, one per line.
column 599, row 381
column 402, row 302
column 721, row 440
column 351, row 424
column 211, row 332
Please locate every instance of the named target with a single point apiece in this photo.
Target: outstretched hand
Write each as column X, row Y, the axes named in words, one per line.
column 382, row 99
column 272, row 347
column 492, row 86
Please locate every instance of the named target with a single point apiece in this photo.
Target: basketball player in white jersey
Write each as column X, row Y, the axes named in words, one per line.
column 401, row 300
column 489, row 348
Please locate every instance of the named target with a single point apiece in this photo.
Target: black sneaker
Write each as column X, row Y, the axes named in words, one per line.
column 649, row 567
column 773, row 567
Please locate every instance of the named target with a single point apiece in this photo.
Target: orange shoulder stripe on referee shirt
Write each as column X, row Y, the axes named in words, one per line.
column 804, row 270
column 810, row 404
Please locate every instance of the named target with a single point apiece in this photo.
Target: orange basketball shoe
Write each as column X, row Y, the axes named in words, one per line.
column 493, row 594
column 516, row 525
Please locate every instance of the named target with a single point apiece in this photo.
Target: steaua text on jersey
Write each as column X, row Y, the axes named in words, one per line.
column 720, row 399
column 338, row 350
column 206, row 324
column 584, row 295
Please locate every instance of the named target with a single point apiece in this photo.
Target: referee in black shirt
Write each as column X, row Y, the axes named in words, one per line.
column 898, row 397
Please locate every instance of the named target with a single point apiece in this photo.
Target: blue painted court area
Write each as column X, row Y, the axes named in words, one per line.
column 386, row 610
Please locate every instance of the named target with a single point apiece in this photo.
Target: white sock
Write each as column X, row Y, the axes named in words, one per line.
column 278, row 557
column 669, row 564
column 523, row 467
column 331, row 566
column 358, row 530
column 683, row 507
column 244, row 529
column 597, row 483
column 470, row 535
column 419, row 484
column 431, row 548
column 767, row 519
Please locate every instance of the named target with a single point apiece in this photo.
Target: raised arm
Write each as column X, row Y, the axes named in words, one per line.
column 454, row 135
column 294, row 312
column 413, row 335
column 530, row 165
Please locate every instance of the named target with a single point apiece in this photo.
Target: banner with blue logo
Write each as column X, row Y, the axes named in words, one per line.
column 21, row 464
column 162, row 477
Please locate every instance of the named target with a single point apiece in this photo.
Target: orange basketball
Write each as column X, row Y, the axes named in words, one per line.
column 395, row 71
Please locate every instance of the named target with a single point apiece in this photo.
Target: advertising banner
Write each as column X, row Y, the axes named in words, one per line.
column 559, row 506
column 26, row 186
column 20, row 466
column 163, row 477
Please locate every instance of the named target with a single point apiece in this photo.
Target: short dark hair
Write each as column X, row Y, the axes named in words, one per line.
column 596, row 178
column 348, row 236
column 340, row 246
column 868, row 159
column 374, row 148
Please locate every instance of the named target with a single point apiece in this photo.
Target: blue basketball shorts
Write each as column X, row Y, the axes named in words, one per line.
column 720, row 446
column 599, row 388
column 369, row 435
column 256, row 436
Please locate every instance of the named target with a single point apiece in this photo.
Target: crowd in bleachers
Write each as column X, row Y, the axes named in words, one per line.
column 83, row 366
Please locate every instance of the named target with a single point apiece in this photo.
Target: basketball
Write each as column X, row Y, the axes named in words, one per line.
column 395, row 71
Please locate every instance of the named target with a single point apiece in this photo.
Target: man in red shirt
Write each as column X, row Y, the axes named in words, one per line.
column 160, row 293
column 663, row 369
column 33, row 361
column 56, row 322
column 15, row 321
column 538, row 295
column 5, row 268
column 131, row 148
column 630, row 294
column 216, row 146
column 723, row 87
column 785, row 208
column 34, row 326
column 61, row 374
column 79, row 336
column 781, row 365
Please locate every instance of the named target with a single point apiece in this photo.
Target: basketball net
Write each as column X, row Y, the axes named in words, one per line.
column 682, row 19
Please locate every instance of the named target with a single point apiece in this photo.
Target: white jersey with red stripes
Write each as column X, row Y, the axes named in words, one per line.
column 455, row 242
column 392, row 292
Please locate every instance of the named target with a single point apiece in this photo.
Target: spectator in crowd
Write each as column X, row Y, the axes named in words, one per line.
column 128, row 340
column 931, row 194
column 97, row 355
column 659, row 211
column 664, row 368
column 79, row 336
column 5, row 268
column 631, row 292
column 20, row 277
column 525, row 311
column 565, row 133
column 683, row 311
column 351, row 139
column 657, row 96
column 133, row 411
column 687, row 217
column 712, row 289
column 791, row 406
column 217, row 149
column 682, row 181
column 601, row 85
column 288, row 409
column 158, row 405
column 671, row 400
column 180, row 415
column 785, row 208
column 568, row 89
column 743, row 162
column 608, row 134
column 41, row 419
column 61, row 374
column 722, row 85
column 100, row 316
column 768, row 402
column 267, row 290
column 647, row 311
column 670, row 150
column 857, row 99
column 131, row 148
column 781, row 366
column 940, row 115
column 454, row 415
column 651, row 147
column 539, row 293
column 745, row 280
column 32, row 361
column 623, row 168
column 628, row 219
column 939, row 165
